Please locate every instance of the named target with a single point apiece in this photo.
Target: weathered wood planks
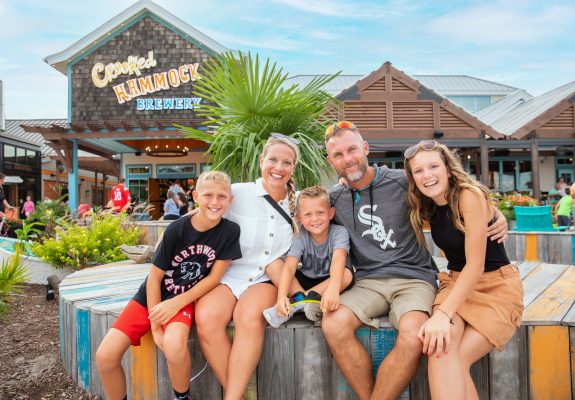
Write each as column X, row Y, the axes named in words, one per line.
column 538, row 363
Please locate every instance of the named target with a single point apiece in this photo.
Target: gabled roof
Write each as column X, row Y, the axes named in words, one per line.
column 417, row 109
column 119, row 22
column 500, row 108
column 446, row 85
column 15, row 131
column 525, row 117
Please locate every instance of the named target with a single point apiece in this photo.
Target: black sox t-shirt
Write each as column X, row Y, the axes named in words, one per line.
column 187, row 255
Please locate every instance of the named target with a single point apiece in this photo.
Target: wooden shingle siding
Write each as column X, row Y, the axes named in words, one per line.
column 448, row 120
column 413, row 114
column 367, row 115
column 171, row 50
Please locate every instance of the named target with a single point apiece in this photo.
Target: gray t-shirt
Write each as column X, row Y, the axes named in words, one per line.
column 383, row 244
column 316, row 257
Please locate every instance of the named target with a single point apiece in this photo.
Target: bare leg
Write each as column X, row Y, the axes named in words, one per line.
column 448, row 368
column 274, row 271
column 177, row 354
column 400, row 365
column 248, row 338
column 212, row 314
column 473, row 346
column 109, row 359
column 339, row 327
column 345, row 281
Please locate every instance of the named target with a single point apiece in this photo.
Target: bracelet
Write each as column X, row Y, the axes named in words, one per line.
column 450, row 319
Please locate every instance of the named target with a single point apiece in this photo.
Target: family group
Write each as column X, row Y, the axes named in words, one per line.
column 256, row 253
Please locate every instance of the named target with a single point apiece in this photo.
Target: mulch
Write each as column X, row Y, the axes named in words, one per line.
column 30, row 366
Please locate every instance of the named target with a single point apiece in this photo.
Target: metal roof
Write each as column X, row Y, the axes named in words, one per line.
column 493, row 112
column 519, row 116
column 463, row 85
column 15, row 132
column 446, row 85
column 333, row 88
column 95, row 38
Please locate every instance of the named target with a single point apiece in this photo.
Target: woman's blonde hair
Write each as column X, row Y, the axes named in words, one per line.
column 422, row 208
column 292, row 144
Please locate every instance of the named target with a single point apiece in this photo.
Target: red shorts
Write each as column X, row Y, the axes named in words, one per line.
column 134, row 322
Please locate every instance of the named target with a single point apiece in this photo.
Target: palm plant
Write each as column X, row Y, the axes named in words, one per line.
column 244, row 101
column 12, row 274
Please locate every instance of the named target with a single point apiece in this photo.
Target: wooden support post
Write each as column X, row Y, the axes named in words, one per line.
column 535, row 169
column 484, row 162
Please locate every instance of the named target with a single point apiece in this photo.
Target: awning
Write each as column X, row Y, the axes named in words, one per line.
column 13, row 179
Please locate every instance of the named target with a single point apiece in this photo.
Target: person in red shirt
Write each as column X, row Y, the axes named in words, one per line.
column 120, row 197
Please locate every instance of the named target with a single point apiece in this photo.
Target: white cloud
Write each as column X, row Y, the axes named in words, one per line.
column 349, row 9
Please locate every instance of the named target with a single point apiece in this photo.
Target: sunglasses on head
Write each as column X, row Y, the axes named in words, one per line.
column 290, row 139
column 340, row 125
column 425, row 145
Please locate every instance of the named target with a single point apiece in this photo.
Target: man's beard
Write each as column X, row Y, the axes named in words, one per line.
column 356, row 176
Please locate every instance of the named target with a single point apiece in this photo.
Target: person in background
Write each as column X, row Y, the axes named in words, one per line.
column 564, row 208
column 4, row 206
column 120, row 197
column 480, row 300
column 183, row 203
column 190, row 261
column 28, row 206
column 171, row 206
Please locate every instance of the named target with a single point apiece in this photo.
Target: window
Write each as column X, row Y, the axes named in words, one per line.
column 140, row 170
column 471, row 103
column 138, row 190
column 175, row 170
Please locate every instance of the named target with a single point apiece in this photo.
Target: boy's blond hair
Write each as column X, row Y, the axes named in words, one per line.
column 215, row 176
column 313, row 192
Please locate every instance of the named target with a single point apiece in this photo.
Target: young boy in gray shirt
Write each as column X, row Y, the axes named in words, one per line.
column 322, row 249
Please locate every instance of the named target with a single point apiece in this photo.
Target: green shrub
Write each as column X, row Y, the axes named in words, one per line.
column 12, row 274
column 82, row 246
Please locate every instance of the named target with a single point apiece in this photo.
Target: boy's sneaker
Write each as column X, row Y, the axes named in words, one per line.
column 312, row 307
column 297, row 302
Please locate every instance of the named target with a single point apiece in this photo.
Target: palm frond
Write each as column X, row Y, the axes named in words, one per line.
column 244, row 101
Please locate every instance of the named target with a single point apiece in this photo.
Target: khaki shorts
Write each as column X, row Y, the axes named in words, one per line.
column 494, row 306
column 371, row 298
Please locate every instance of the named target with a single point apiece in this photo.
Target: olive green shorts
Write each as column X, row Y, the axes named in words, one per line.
column 371, row 298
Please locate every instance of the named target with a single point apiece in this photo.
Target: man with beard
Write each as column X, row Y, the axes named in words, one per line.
column 395, row 276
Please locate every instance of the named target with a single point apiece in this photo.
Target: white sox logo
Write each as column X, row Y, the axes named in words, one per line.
column 377, row 230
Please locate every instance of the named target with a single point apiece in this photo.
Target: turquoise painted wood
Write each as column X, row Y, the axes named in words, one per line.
column 83, row 329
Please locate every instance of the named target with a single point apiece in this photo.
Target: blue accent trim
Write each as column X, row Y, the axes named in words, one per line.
column 83, row 343
column 69, row 119
column 81, row 56
column 73, row 179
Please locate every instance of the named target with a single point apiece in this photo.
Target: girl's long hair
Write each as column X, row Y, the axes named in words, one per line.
column 422, row 208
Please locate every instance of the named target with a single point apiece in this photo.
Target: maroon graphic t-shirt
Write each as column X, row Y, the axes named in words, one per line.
column 187, row 255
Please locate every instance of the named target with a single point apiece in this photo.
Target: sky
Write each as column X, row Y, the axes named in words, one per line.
column 525, row 44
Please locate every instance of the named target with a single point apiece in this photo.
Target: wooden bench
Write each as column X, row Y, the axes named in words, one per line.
column 538, row 363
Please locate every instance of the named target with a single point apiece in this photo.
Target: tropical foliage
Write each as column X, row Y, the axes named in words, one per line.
column 12, row 274
column 507, row 204
column 82, row 246
column 50, row 214
column 244, row 101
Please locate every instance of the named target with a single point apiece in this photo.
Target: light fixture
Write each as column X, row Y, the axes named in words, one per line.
column 166, row 151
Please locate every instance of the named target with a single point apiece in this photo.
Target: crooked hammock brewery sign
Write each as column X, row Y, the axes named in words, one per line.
column 142, row 85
